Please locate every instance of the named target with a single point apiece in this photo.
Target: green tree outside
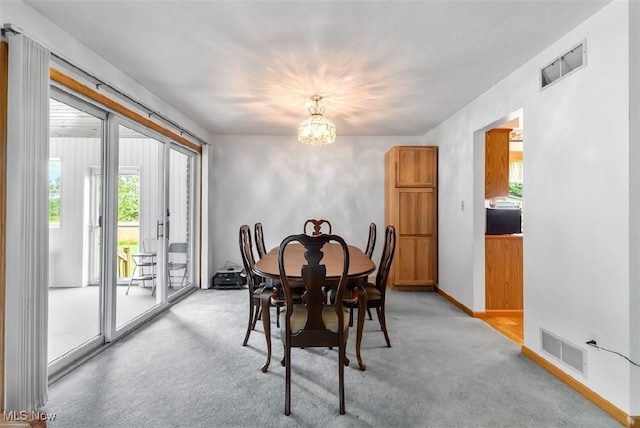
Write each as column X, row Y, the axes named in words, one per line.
column 54, row 191
column 128, row 198
column 515, row 189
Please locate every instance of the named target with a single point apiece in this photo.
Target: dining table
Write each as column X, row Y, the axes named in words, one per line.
column 360, row 266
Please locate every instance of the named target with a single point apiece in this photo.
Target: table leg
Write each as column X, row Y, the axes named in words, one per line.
column 265, row 299
column 362, row 310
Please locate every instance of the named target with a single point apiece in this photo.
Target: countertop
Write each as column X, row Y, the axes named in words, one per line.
column 511, row 236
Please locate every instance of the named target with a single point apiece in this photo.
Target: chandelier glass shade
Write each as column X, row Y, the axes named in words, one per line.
column 316, row 129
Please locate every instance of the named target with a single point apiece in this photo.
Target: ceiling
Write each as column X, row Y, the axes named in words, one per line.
column 390, row 68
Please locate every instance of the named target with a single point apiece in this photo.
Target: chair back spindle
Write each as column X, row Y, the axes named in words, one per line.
column 259, row 235
column 385, row 260
column 371, row 242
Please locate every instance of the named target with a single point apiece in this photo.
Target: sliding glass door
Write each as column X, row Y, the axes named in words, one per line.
column 121, row 226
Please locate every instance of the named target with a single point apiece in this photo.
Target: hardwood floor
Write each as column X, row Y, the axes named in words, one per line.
column 509, row 325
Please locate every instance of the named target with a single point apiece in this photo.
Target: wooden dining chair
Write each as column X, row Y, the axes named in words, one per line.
column 314, row 322
column 371, row 244
column 317, row 226
column 254, row 282
column 257, row 232
column 376, row 292
column 262, row 250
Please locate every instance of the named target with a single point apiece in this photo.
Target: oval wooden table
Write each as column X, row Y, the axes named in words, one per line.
column 360, row 266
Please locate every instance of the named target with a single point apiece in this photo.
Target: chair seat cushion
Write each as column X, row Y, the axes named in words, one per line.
column 372, row 292
column 329, row 317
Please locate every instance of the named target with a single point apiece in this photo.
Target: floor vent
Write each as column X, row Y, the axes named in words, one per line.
column 568, row 353
column 563, row 65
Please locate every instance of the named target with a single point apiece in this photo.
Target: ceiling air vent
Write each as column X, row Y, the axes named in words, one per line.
column 566, row 352
column 565, row 64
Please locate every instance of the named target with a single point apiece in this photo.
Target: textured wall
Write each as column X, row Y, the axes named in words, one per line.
column 281, row 183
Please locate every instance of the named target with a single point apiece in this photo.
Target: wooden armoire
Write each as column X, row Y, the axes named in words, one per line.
column 411, row 206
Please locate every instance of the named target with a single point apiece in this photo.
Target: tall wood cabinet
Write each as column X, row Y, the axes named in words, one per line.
column 411, row 206
column 496, row 163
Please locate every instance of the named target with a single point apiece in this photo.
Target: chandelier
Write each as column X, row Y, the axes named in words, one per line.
column 316, row 129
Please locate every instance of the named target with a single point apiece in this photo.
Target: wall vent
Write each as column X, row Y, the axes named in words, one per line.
column 563, row 351
column 565, row 64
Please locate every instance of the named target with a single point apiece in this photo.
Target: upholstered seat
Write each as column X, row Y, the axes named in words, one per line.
column 329, row 318
column 372, row 292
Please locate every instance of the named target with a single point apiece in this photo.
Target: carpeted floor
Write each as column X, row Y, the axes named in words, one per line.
column 188, row 368
column 74, row 314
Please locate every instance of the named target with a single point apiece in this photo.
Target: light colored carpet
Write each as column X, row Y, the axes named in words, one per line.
column 188, row 368
column 74, row 314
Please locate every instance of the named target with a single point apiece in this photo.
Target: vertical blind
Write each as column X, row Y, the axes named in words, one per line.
column 27, row 273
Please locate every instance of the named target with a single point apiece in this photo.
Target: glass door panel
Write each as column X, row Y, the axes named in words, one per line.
column 76, row 146
column 180, row 210
column 140, row 223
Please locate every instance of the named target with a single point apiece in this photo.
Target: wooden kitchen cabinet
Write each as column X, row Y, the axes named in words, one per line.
column 503, row 273
column 496, row 163
column 411, row 206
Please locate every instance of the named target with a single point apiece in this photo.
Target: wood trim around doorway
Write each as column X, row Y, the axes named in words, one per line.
column 605, row 405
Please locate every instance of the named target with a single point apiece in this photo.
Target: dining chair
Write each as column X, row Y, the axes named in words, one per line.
column 254, row 282
column 376, row 292
column 371, row 244
column 177, row 261
column 262, row 250
column 314, row 322
column 257, row 232
column 317, row 226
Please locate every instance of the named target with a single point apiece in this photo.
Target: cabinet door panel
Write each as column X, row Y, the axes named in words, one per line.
column 503, row 273
column 496, row 165
column 416, row 167
column 415, row 262
column 416, row 211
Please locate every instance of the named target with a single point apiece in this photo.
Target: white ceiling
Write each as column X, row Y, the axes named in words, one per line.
column 383, row 67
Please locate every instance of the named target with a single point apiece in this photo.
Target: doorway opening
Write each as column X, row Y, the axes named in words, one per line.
column 498, row 277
